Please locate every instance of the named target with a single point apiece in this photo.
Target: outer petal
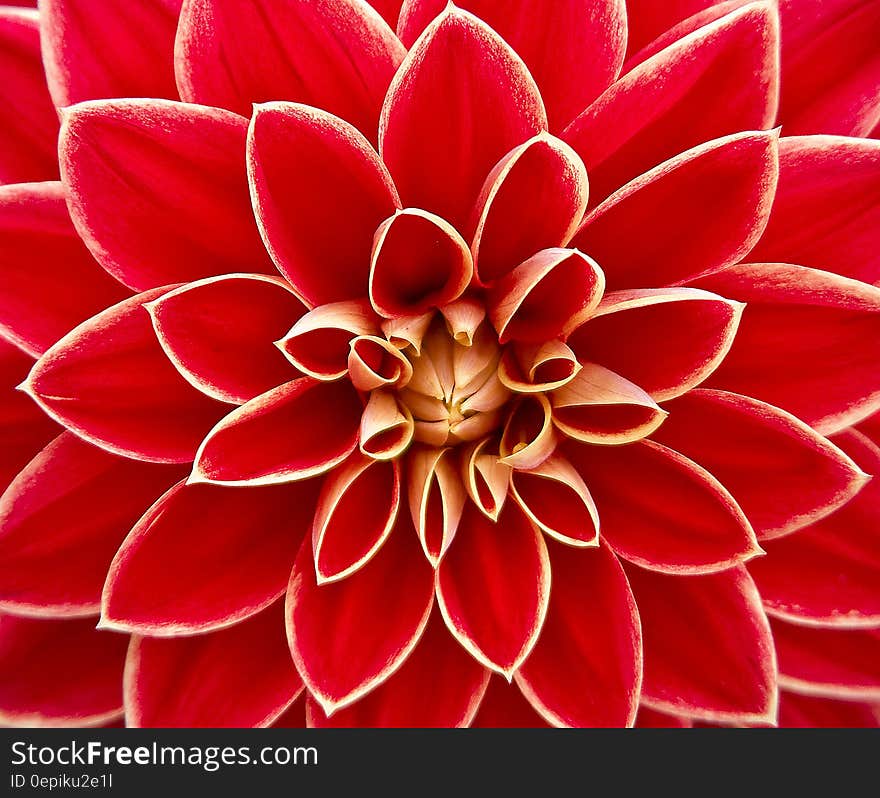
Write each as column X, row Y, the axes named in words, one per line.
column 586, row 668
column 648, row 19
column 801, row 711
column 220, row 333
column 493, row 587
column 439, row 685
column 92, row 51
column 652, row 719
column 794, row 577
column 782, row 473
column 348, row 637
column 295, row 431
column 808, row 342
column 708, row 649
column 662, row 511
column 718, row 80
column 389, row 9
column 827, row 208
column 339, row 55
column 459, row 73
column 574, row 48
column 61, row 521
column 109, row 382
column 204, row 557
column 504, row 707
column 59, row 672
column 319, row 192
column 238, row 677
column 146, row 219
column 50, row 281
column 694, row 214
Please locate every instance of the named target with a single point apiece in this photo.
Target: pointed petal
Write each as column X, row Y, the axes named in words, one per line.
column 436, row 499
column 485, row 477
column 458, row 73
column 386, row 428
column 319, row 191
column 696, row 213
column 348, row 637
column 493, row 587
column 237, row 677
column 295, row 431
column 529, row 437
column 808, row 712
column 146, row 220
column 109, row 382
column 504, row 707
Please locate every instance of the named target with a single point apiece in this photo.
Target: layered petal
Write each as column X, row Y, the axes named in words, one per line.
column 436, row 499
column 504, row 707
column 485, row 477
column 157, row 190
column 387, row 426
column 810, row 712
column 648, row 19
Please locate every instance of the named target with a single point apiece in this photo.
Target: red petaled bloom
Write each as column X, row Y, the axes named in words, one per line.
column 493, row 364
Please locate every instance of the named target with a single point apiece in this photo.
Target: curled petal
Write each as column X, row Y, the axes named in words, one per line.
column 485, row 477
column 463, row 318
column 534, row 368
column 546, row 296
column 356, row 512
column 387, row 426
column 319, row 192
column 295, row 431
column 529, row 437
column 436, row 499
column 219, row 333
column 376, row 363
column 405, row 331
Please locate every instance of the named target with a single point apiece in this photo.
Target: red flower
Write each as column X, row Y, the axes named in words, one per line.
column 519, row 347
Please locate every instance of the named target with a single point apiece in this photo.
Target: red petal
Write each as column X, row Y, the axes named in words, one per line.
column 432, row 133
column 493, row 587
column 801, row 711
column 389, row 9
column 504, row 707
column 694, row 214
column 716, row 81
column 651, row 719
column 337, row 56
column 665, row 341
column 109, row 382
column 238, row 677
column 662, row 511
column 708, row 649
column 586, row 668
column 146, row 219
column 827, row 208
column 827, row 574
column 782, row 473
column 320, row 191
column 50, row 280
column 93, row 51
column 648, row 19
column 203, row 557
column 439, row 686
column 348, row 637
column 62, row 520
column 59, row 672
column 529, row 436
column 220, row 333
column 295, row 431
column 574, row 48
column 808, row 342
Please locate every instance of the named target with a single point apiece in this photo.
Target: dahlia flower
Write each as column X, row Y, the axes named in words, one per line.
column 420, row 364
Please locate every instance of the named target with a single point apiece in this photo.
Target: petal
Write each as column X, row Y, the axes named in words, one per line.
column 338, row 56
column 219, row 333
column 485, row 477
column 50, row 281
column 782, row 473
column 801, row 711
column 533, row 199
column 348, row 637
column 827, row 574
column 493, row 587
column 62, row 520
column 708, row 649
column 436, row 499
column 374, row 363
column 389, row 9
column 718, row 80
column 695, row 214
column 504, row 707
column 386, row 428
column 439, row 686
column 648, row 19
column 109, row 382
column 574, row 48
column 295, row 431
column 662, row 511
column 148, row 221
column 320, row 191
column 237, row 677
column 28, row 120
column 808, row 342
column 529, row 437
column 92, row 52
column 651, row 719
column 59, row 672
column 204, row 557
column 431, row 135
column 666, row 341
column 586, row 669
column 533, row 368
column 827, row 208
